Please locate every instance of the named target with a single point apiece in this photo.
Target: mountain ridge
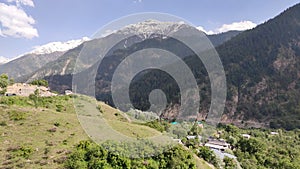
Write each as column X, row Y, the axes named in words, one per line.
column 26, row 63
column 261, row 90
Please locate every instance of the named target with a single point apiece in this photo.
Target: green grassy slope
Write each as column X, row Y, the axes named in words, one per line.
column 42, row 137
column 37, row 137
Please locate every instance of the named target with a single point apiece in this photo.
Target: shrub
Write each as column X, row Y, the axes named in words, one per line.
column 3, row 123
column 46, row 150
column 57, row 124
column 25, row 151
column 21, row 151
column 208, row 155
column 40, row 82
column 90, row 155
column 65, row 142
column 59, row 108
column 158, row 125
column 229, row 163
column 100, row 108
column 16, row 115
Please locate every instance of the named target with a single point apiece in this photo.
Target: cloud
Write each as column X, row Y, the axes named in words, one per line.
column 22, row 2
column 239, row 26
column 200, row 28
column 3, row 60
column 15, row 22
column 107, row 32
column 137, row 1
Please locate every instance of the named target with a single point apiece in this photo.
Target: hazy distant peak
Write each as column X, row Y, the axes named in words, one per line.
column 3, row 60
column 58, row 46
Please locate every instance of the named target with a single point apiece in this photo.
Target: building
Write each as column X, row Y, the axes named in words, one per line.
column 274, row 133
column 220, row 145
column 68, row 92
column 23, row 89
column 247, row 136
column 193, row 137
column 221, row 155
column 178, row 141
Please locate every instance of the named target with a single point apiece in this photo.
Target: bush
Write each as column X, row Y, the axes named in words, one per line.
column 59, row 108
column 21, row 151
column 229, row 163
column 57, row 124
column 100, row 108
column 41, row 82
column 3, row 123
column 208, row 155
column 4, row 81
column 91, row 155
column 158, row 125
column 16, row 115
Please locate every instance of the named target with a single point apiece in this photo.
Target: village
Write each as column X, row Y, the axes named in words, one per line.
column 220, row 148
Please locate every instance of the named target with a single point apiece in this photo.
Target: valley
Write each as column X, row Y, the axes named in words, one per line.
column 150, row 90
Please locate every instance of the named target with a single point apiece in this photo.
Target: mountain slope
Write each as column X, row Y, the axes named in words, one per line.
column 263, row 71
column 262, row 68
column 54, row 131
column 27, row 63
column 219, row 39
column 3, row 60
column 37, row 58
column 65, row 64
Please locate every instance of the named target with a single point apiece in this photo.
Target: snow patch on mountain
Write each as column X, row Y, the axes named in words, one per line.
column 150, row 27
column 3, row 60
column 58, row 46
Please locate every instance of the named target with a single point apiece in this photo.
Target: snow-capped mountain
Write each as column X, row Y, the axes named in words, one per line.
column 58, row 46
column 42, row 55
column 149, row 27
column 3, row 60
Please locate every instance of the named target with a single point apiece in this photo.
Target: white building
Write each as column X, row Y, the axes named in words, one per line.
column 274, row 133
column 178, row 141
column 68, row 92
column 247, row 136
column 220, row 145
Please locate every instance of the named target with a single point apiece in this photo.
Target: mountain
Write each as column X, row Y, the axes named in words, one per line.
column 58, row 46
column 150, row 28
column 262, row 69
column 27, row 64
column 37, row 58
column 64, row 65
column 3, row 60
column 220, row 38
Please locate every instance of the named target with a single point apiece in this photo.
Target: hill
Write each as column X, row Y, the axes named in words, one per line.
column 220, row 38
column 45, row 136
column 30, row 62
column 262, row 68
column 50, row 136
column 37, row 137
column 27, row 64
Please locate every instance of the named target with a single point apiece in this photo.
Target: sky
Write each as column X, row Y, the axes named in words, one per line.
column 25, row 24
